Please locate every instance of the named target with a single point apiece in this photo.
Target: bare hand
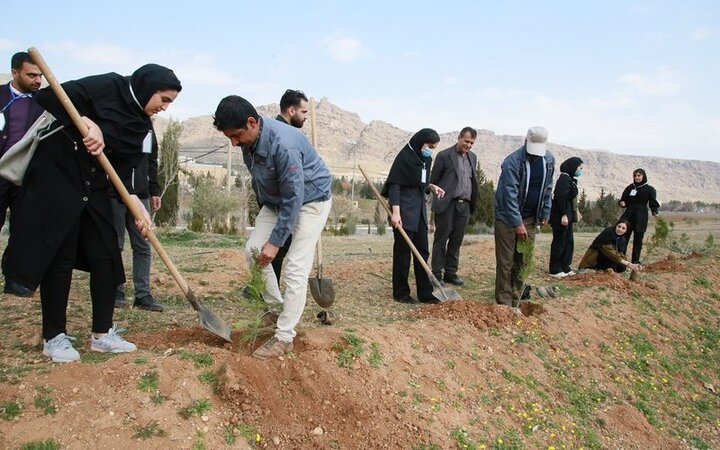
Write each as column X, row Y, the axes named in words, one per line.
column 622, row 203
column 94, row 141
column 431, row 227
column 155, row 203
column 267, row 254
column 396, row 220
column 564, row 220
column 144, row 225
column 437, row 190
column 521, row 232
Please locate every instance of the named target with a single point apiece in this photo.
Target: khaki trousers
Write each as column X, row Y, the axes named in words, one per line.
column 508, row 262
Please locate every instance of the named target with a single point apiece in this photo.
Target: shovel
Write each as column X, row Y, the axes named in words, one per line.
column 440, row 292
column 322, row 289
column 208, row 319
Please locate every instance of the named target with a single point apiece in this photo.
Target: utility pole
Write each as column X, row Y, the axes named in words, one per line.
column 352, row 190
column 229, row 166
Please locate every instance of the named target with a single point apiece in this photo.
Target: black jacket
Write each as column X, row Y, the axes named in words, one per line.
column 637, row 203
column 445, row 174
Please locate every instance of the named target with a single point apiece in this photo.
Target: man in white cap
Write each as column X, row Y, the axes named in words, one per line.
column 522, row 203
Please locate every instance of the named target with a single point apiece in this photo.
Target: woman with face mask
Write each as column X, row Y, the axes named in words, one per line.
column 66, row 218
column 562, row 217
column 607, row 251
column 405, row 187
column 636, row 198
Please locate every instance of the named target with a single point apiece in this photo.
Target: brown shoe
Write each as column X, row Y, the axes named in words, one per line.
column 273, row 348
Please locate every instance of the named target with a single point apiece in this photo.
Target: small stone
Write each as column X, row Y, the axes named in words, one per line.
column 318, row 431
column 168, row 352
column 21, row 387
column 76, row 390
column 326, row 402
column 204, row 418
column 205, row 429
column 498, row 410
column 342, row 391
column 112, row 413
column 276, row 440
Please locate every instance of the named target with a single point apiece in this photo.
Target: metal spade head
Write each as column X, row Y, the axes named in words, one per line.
column 322, row 291
column 208, row 319
column 445, row 294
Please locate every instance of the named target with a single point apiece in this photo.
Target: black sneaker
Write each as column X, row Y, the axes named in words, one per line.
column 454, row 279
column 17, row 289
column 148, row 303
column 407, row 299
column 120, row 300
column 432, row 300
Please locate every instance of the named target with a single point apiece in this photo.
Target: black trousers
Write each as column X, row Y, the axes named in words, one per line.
column 604, row 262
column 280, row 257
column 449, row 232
column 8, row 199
column 562, row 248
column 84, row 240
column 638, row 237
column 401, row 263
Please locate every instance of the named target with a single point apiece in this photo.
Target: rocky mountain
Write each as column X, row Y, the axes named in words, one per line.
column 344, row 138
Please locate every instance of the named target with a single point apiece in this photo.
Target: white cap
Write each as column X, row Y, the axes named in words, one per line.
column 537, row 141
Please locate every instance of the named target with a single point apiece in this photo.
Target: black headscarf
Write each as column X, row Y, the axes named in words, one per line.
column 407, row 168
column 107, row 100
column 570, row 165
column 644, row 177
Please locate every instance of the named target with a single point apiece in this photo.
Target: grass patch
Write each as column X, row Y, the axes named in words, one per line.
column 149, row 381
column 10, row 410
column 47, row 444
column 187, row 238
column 95, row 357
column 210, row 378
column 354, row 348
column 375, row 358
column 248, row 432
column 158, row 399
column 204, row 359
column 44, row 402
column 148, row 431
column 462, row 439
column 195, row 408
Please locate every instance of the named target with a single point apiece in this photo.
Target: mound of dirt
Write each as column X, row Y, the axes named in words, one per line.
column 480, row 315
column 668, row 264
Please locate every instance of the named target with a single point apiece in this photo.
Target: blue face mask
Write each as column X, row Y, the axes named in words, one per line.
column 578, row 173
column 426, row 152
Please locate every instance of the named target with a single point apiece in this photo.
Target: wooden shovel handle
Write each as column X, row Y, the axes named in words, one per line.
column 313, row 140
column 109, row 170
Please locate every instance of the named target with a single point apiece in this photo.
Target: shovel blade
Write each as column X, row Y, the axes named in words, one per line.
column 208, row 319
column 322, row 290
column 445, row 294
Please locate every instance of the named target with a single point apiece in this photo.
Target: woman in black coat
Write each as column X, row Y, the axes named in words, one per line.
column 636, row 198
column 607, row 251
column 405, row 187
column 562, row 216
column 66, row 220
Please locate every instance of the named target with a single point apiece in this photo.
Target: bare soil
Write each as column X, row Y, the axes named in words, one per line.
column 609, row 364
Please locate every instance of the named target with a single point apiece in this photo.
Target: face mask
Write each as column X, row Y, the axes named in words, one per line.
column 426, row 152
column 578, row 172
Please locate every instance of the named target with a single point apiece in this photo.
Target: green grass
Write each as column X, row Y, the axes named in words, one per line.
column 375, row 358
column 149, row 381
column 148, row 431
column 210, row 378
column 186, row 238
column 195, row 408
column 44, row 402
column 204, row 359
column 10, row 410
column 462, row 439
column 354, row 348
column 248, row 432
column 48, row 444
column 158, row 399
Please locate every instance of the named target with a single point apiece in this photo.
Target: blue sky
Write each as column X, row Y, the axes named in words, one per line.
column 630, row 77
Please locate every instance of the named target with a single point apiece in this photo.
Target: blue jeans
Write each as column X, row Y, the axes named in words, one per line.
column 124, row 220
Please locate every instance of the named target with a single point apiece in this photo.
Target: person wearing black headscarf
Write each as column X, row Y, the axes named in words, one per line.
column 405, row 187
column 607, row 251
column 66, row 217
column 636, row 198
column 562, row 216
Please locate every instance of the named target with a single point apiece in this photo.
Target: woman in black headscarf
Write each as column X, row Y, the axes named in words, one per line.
column 636, row 198
column 66, row 218
column 607, row 251
column 405, row 188
column 562, row 216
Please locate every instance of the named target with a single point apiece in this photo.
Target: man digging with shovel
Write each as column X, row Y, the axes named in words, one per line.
column 293, row 186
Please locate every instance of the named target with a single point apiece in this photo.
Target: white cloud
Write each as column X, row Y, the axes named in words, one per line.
column 663, row 82
column 8, row 45
column 344, row 49
column 703, row 33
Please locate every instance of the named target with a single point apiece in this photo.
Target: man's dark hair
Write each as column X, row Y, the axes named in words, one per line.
column 233, row 112
column 290, row 98
column 19, row 58
column 471, row 130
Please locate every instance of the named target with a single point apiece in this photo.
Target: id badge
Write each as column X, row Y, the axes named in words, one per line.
column 423, row 176
column 147, row 143
column 2, row 120
column 633, row 192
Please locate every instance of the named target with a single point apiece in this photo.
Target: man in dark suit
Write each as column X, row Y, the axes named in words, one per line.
column 19, row 111
column 454, row 171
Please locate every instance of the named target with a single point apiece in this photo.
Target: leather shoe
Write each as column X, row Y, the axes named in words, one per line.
column 120, row 300
column 430, row 300
column 454, row 279
column 18, row 289
column 407, row 299
column 148, row 303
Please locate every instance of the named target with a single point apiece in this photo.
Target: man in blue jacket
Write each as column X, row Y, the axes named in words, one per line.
column 293, row 186
column 522, row 203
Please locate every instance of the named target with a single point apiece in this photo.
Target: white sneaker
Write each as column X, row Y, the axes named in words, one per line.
column 571, row 273
column 60, row 349
column 111, row 343
column 559, row 275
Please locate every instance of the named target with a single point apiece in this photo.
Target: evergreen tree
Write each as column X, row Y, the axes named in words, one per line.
column 168, row 167
column 485, row 208
column 380, row 219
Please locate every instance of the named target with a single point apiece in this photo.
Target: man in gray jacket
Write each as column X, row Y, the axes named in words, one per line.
column 522, row 203
column 293, row 186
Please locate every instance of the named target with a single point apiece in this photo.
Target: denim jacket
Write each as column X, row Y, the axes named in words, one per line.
column 513, row 184
column 287, row 173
